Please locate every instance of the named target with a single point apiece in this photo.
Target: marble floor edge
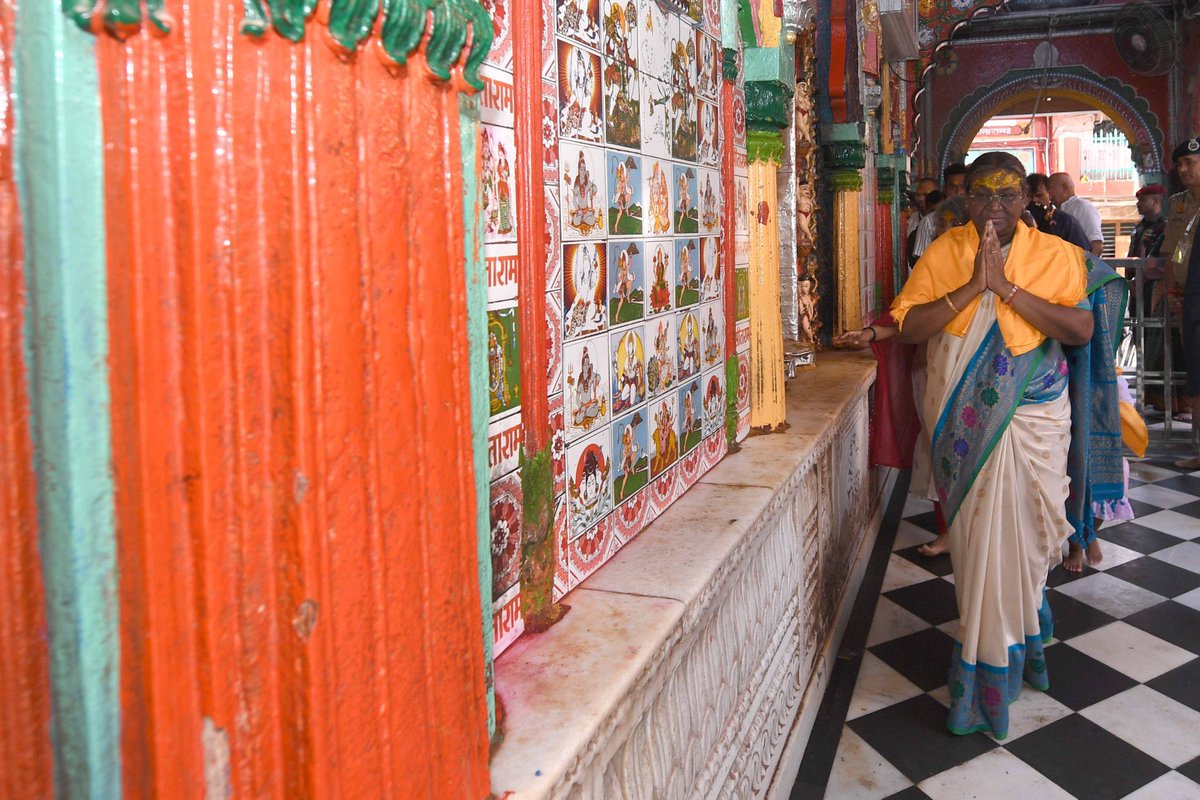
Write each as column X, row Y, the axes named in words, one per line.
column 817, row 763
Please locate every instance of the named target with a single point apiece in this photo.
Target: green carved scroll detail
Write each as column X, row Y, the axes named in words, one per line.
column 764, row 146
column 351, row 21
column 729, row 69
column 768, row 105
column 453, row 25
column 119, row 17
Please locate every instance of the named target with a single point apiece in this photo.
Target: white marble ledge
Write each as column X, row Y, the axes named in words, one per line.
column 566, row 690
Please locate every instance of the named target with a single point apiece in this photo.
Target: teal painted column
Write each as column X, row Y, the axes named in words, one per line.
column 468, row 125
column 59, row 162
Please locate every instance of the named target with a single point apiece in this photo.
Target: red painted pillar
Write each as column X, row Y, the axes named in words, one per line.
column 292, row 434
column 884, row 266
column 25, row 750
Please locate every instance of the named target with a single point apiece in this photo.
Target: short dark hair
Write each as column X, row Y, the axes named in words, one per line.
column 933, row 198
column 1034, row 181
column 957, row 168
column 995, row 159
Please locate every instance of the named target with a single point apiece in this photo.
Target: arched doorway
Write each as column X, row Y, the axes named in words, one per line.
column 1118, row 101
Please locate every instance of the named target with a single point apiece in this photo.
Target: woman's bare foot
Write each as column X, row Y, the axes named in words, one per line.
column 936, row 547
column 1074, row 560
column 1094, row 554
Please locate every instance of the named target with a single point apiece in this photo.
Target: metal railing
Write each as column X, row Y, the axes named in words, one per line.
column 1147, row 276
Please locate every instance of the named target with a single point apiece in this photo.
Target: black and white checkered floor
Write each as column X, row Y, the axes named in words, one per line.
column 1121, row 718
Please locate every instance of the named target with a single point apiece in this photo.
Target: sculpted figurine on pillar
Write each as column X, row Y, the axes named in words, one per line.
column 808, row 294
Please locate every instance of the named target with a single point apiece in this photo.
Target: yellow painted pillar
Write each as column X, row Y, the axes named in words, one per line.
column 767, row 404
column 845, row 156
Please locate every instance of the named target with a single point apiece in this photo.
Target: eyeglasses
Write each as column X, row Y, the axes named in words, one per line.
column 985, row 198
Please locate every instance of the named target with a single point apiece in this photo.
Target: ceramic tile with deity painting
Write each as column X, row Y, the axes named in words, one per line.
column 708, row 68
column 687, row 272
column 628, row 369
column 660, row 276
column 689, row 345
column 712, row 329
column 549, row 41
column 622, row 105
column 710, row 201
column 685, row 212
column 738, row 123
column 662, row 346
column 691, row 415
column 503, row 359
column 579, row 20
column 506, row 517
column 500, row 13
column 741, row 300
column 549, row 130
column 712, row 280
column 741, row 205
column 558, row 443
column 664, row 432
column 585, row 289
column 631, row 455
column 496, row 99
column 713, row 388
column 626, row 281
column 497, row 182
column 586, row 386
column 580, row 94
column 502, row 267
column 654, row 40
column 625, row 192
column 683, row 90
column 712, row 21
column 581, row 191
column 553, row 237
column 656, row 192
column 708, row 147
column 620, row 29
column 505, row 435
column 656, row 117
column 589, row 481
column 508, row 622
column 554, row 342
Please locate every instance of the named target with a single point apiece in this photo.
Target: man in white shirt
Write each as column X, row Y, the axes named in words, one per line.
column 1062, row 192
column 923, row 188
column 954, row 184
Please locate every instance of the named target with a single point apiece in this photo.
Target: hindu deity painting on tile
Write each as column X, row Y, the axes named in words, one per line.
column 634, row 278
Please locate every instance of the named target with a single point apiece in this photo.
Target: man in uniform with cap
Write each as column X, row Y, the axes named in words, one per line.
column 1183, row 274
column 1148, row 236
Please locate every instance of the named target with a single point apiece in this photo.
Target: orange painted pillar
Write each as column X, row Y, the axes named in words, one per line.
column 25, row 745
column 296, row 504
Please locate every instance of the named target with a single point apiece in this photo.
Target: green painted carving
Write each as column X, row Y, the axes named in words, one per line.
column 537, row 542
column 764, row 146
column 885, row 178
column 745, row 21
column 768, row 105
column 729, row 59
column 351, row 21
column 845, row 154
column 288, row 17
column 120, row 18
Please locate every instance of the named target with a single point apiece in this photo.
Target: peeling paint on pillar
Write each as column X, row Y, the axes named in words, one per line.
column 468, row 121
column 25, row 741
column 60, row 172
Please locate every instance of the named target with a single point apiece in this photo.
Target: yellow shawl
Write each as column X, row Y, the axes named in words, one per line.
column 1040, row 263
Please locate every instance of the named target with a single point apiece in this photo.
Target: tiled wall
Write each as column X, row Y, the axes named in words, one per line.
column 634, row 277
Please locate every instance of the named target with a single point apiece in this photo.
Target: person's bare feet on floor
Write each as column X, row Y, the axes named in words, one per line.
column 936, row 547
column 1094, row 554
column 1074, row 560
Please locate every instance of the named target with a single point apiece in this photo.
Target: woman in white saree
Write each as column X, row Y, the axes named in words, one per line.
column 996, row 301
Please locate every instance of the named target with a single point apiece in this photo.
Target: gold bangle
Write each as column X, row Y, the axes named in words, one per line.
column 950, row 303
column 1011, row 294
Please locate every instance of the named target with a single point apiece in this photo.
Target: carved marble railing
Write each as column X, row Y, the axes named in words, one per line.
column 692, row 665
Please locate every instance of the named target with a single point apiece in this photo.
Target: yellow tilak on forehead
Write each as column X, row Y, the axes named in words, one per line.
column 997, row 180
